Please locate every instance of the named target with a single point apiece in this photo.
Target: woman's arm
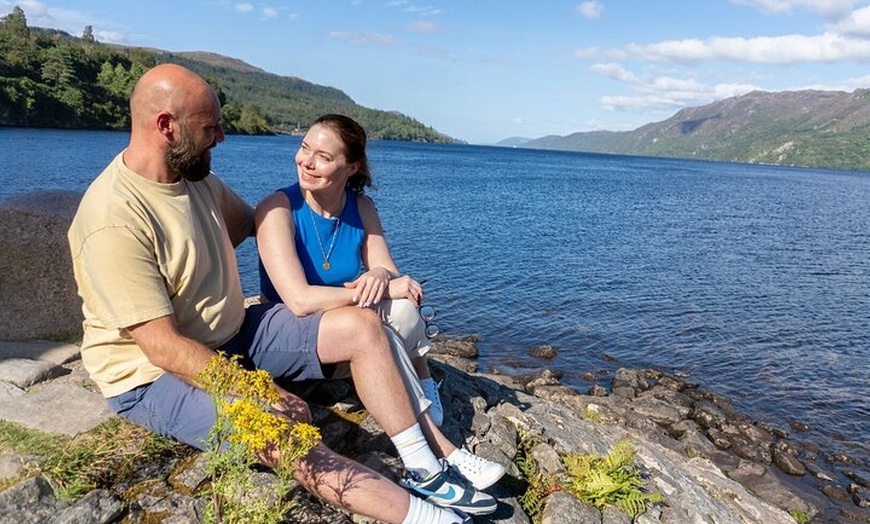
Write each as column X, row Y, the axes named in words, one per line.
column 382, row 278
column 277, row 248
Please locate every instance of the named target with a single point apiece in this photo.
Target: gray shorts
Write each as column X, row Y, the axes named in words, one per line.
column 271, row 338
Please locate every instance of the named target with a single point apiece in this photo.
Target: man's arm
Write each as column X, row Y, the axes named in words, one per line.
column 185, row 358
column 166, row 348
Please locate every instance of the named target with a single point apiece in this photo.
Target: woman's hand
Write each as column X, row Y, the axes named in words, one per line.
column 370, row 287
column 406, row 287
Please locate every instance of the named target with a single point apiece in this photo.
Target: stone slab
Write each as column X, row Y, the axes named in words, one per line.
column 24, row 372
column 63, row 408
column 8, row 391
column 55, row 352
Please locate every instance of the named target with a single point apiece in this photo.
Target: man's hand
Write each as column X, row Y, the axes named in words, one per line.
column 292, row 407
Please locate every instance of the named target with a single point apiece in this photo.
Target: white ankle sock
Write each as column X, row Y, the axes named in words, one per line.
column 422, row 512
column 415, row 453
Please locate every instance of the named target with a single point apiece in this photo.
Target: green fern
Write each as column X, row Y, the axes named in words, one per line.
column 540, row 485
column 609, row 481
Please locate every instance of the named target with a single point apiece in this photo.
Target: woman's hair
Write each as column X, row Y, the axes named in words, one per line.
column 353, row 136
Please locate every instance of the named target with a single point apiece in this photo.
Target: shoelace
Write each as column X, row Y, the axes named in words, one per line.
column 472, row 462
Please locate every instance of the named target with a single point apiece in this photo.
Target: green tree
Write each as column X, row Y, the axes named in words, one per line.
column 16, row 42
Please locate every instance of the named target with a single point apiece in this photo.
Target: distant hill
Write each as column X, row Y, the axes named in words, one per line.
column 516, row 141
column 800, row 128
column 292, row 104
column 49, row 78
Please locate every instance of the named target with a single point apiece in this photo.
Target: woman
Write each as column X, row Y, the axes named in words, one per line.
column 321, row 247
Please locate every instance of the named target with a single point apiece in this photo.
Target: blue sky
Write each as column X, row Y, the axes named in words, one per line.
column 482, row 71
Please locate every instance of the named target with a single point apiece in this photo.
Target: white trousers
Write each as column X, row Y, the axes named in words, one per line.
column 406, row 332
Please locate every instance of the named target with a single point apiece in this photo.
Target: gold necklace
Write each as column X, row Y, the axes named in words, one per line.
column 326, row 253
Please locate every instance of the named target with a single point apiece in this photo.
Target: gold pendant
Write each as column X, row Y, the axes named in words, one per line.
column 326, row 265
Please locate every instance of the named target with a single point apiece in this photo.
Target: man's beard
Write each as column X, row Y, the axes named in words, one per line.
column 183, row 158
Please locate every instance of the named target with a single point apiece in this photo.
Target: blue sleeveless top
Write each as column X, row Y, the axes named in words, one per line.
column 345, row 261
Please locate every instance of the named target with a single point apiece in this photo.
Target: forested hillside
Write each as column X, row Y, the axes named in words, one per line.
column 49, row 78
column 798, row 128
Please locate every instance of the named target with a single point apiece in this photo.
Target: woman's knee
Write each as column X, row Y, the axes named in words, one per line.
column 352, row 329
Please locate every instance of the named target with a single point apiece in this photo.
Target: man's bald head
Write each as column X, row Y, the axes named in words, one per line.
column 169, row 88
column 175, row 121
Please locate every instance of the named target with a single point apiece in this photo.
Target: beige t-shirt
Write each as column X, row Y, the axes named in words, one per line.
column 142, row 250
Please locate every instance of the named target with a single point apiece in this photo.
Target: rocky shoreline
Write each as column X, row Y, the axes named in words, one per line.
column 710, row 463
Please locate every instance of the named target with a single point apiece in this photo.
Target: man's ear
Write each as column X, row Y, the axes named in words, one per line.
column 164, row 123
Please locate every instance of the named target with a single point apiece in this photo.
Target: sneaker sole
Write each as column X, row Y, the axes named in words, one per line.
column 478, row 510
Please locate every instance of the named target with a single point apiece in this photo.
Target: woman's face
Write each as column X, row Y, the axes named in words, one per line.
column 320, row 161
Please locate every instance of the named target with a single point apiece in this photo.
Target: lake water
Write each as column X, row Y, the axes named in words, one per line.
column 753, row 280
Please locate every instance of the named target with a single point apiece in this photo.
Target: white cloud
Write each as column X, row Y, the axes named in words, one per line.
column 591, row 9
column 244, row 7
column 786, row 49
column 363, row 38
column 422, row 26
column 269, row 12
column 856, row 24
column 662, row 93
column 666, row 94
column 615, row 71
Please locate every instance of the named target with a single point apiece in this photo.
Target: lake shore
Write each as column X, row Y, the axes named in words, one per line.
column 699, row 478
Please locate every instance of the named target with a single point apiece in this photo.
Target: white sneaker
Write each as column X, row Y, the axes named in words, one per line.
column 480, row 472
column 430, row 390
column 449, row 489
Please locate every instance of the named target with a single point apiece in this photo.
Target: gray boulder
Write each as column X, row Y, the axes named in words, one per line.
column 39, row 297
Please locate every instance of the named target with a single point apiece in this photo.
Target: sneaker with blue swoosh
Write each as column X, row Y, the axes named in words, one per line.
column 449, row 489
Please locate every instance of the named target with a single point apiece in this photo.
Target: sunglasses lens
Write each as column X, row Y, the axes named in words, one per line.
column 427, row 312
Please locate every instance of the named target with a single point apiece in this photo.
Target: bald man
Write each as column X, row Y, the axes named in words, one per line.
column 153, row 254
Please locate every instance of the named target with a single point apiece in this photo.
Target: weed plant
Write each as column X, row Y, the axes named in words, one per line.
column 248, row 431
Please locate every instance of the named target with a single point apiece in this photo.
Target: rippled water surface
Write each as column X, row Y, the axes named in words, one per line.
column 754, row 280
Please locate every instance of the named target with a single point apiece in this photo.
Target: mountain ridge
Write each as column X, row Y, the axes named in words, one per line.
column 811, row 128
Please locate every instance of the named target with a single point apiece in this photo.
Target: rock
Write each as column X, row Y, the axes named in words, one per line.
column 589, row 377
column 860, row 495
column 548, row 459
column 544, row 352
column 836, row 492
column 708, row 415
column 29, row 501
column 100, row 506
column 562, row 508
column 547, row 377
column 658, row 411
column 39, row 298
column 789, row 464
column 24, row 372
column 465, row 347
column 743, row 448
column 857, row 478
column 597, row 391
column 83, row 409
column 800, row 427
column 614, row 516
column 630, row 378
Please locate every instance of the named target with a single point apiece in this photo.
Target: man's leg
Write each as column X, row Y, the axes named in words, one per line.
column 175, row 409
